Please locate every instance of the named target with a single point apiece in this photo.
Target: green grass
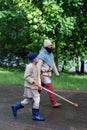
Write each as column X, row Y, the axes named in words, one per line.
column 70, row 81
column 11, row 76
column 64, row 81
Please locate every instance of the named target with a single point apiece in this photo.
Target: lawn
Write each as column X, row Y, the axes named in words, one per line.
column 70, row 81
column 11, row 76
column 64, row 81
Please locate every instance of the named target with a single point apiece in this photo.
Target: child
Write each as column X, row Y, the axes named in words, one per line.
column 30, row 89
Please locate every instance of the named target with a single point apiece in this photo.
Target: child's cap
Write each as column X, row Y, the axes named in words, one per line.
column 32, row 56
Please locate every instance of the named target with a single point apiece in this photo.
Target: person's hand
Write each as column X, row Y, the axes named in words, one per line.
column 38, row 86
column 36, row 83
column 57, row 74
column 39, row 89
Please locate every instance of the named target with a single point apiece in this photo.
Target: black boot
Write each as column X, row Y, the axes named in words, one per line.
column 15, row 107
column 36, row 116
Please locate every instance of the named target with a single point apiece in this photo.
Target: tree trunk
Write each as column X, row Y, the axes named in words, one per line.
column 82, row 67
column 56, row 54
column 77, row 67
column 63, row 66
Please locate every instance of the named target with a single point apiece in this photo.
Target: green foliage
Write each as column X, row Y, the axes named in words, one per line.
column 25, row 24
column 67, row 25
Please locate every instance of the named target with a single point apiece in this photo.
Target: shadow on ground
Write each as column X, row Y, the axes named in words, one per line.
column 65, row 118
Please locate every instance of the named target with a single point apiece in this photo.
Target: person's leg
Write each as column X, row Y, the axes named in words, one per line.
column 25, row 101
column 54, row 103
column 19, row 105
column 35, row 108
column 46, row 82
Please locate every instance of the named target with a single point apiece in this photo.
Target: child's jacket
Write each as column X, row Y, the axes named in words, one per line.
column 30, row 75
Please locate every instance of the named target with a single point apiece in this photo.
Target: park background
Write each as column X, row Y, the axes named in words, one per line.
column 24, row 24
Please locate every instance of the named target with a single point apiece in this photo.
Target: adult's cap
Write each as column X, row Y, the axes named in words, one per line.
column 47, row 43
column 32, row 56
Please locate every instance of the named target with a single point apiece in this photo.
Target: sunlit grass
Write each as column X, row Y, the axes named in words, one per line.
column 11, row 77
column 70, row 81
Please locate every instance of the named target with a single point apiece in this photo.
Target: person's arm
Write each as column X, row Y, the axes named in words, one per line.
column 28, row 73
column 39, row 66
column 55, row 69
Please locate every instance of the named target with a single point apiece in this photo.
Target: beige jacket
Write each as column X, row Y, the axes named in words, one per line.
column 45, row 70
column 30, row 75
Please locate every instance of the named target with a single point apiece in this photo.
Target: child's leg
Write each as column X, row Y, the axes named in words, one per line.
column 25, row 101
column 19, row 105
column 15, row 107
column 35, row 109
column 36, row 102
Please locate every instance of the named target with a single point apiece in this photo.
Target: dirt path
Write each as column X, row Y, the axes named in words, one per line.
column 65, row 118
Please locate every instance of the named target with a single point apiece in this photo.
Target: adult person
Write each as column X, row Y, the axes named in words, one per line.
column 30, row 89
column 45, row 67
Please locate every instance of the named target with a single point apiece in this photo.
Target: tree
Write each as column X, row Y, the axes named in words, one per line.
column 14, row 30
column 25, row 24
